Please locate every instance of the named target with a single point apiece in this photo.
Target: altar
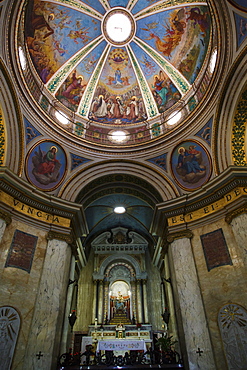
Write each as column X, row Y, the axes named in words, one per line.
column 121, row 345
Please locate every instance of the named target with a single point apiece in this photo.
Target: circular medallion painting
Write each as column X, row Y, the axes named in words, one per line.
column 46, row 165
column 191, row 165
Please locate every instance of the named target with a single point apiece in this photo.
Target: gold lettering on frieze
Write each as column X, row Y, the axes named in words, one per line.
column 33, row 212
column 209, row 209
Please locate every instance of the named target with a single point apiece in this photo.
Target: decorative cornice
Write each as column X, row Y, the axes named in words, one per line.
column 179, row 235
column 6, row 217
column 237, row 212
column 59, row 236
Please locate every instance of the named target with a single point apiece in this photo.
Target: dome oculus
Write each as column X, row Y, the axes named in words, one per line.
column 118, row 27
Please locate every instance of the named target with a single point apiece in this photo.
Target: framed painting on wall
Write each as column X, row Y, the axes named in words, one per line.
column 191, row 165
column 46, row 165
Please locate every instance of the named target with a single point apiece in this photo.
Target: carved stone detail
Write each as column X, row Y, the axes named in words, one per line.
column 237, row 212
column 232, row 321
column 179, row 235
column 59, row 236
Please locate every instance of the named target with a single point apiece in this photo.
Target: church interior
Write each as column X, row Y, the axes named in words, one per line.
column 123, row 187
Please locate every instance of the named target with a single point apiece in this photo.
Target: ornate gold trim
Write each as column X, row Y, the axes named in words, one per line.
column 179, row 235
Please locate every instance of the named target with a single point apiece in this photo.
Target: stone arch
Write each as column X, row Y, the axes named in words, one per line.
column 124, row 258
column 12, row 119
column 159, row 181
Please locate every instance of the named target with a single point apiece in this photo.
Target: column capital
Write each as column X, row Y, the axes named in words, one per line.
column 59, row 236
column 237, row 212
column 179, row 235
column 5, row 216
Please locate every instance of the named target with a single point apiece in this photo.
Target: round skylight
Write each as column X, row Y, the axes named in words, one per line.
column 119, row 210
column 118, row 27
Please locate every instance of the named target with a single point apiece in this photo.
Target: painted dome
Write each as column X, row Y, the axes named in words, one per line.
column 117, row 71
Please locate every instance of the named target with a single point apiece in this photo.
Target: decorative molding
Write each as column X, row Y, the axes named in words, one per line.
column 59, row 236
column 18, row 113
column 179, row 235
column 37, row 213
column 122, row 181
column 237, row 212
column 208, row 209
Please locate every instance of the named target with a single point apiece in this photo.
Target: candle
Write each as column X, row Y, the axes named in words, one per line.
column 95, row 323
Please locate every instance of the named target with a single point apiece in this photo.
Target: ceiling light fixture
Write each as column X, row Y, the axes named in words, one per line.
column 174, row 118
column 119, row 209
column 118, row 136
column 61, row 118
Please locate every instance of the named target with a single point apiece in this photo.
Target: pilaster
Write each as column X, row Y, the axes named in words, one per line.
column 49, row 308
column 190, row 305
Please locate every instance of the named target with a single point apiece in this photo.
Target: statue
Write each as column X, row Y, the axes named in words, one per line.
column 119, row 304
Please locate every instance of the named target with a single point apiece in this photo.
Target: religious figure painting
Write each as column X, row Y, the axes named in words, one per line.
column 164, row 91
column 241, row 28
column 46, row 165
column 54, row 33
column 173, row 32
column 73, row 87
column 191, row 165
column 117, row 98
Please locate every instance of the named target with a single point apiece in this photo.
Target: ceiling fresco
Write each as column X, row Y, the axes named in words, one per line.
column 110, row 75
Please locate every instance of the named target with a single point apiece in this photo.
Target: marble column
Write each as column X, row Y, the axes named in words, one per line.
column 144, row 287
column 46, row 328
column 106, row 301
column 94, row 312
column 101, row 302
column 64, row 348
column 139, row 303
column 133, row 299
column 189, row 300
column 239, row 229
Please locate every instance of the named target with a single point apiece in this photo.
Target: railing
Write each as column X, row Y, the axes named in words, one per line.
column 108, row 359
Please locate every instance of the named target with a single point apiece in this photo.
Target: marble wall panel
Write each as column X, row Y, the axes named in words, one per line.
column 49, row 308
column 223, row 284
column 85, row 297
column 17, row 285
